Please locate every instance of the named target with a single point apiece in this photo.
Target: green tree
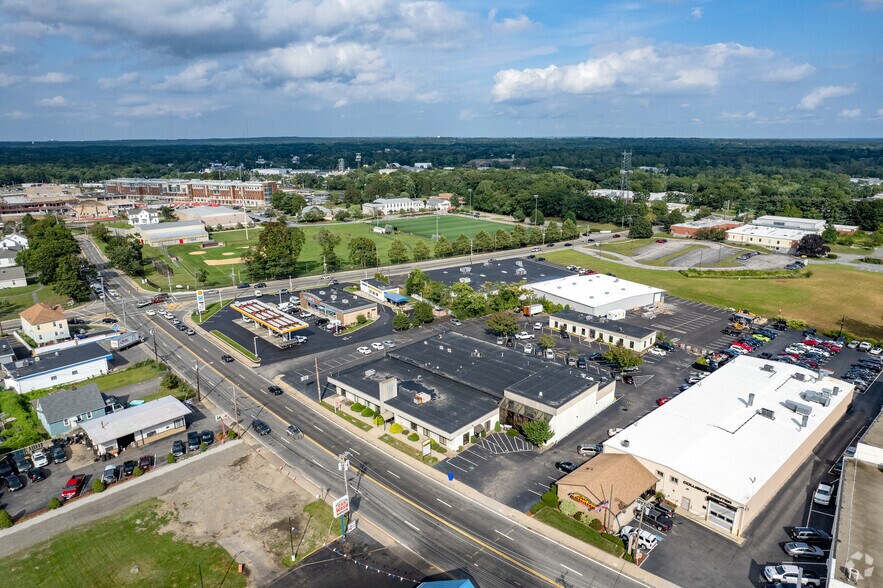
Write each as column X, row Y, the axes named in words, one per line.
column 462, row 245
column 423, row 312
column 569, row 230
column 641, row 228
column 443, row 247
column 68, row 281
column 502, row 323
column 421, row 251
column 5, row 519
column 467, row 303
column 415, row 283
column 553, row 233
column 201, row 275
column 537, row 432
column 830, row 234
column 328, row 241
column 623, row 357
column 275, row 253
column 792, row 211
column 341, row 215
column 483, row 241
column 546, row 342
column 401, row 322
column 501, row 240
column 49, row 241
column 711, row 234
column 398, row 252
column 812, row 246
column 27, row 221
column 518, row 215
column 537, row 218
column 876, row 239
column 126, row 255
column 536, row 236
column 438, row 293
column 675, row 217
column 363, row 252
column 99, row 232
column 519, row 236
column 167, row 213
column 659, row 210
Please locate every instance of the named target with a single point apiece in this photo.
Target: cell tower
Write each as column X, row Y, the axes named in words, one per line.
column 624, row 173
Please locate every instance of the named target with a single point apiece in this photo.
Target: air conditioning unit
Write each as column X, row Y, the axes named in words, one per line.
column 767, row 413
column 422, row 398
column 369, row 373
column 798, row 407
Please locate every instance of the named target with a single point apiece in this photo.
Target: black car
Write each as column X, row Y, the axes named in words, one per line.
column 178, row 448
column 109, row 320
column 565, row 466
column 243, row 285
column 597, row 356
column 7, row 467
column 658, row 519
column 192, row 441
column 76, row 321
column 261, row 427
column 36, row 474
column 226, row 358
column 322, row 321
column 564, row 334
column 207, row 437
column 541, row 259
column 13, row 482
column 274, row 390
column 665, row 346
column 765, row 355
column 129, row 467
column 260, row 285
column 531, row 256
column 550, row 244
column 145, row 462
column 810, row 535
column 628, row 379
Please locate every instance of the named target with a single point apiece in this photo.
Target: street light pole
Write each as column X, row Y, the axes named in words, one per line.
column 343, row 464
column 256, row 346
column 536, row 203
column 198, row 394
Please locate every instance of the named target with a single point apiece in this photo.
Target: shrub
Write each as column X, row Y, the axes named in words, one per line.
column 171, row 458
column 512, row 432
column 378, row 420
column 567, row 507
column 137, row 472
column 832, row 256
column 357, row 407
column 660, row 495
column 537, row 432
column 203, row 446
column 395, row 428
column 231, row 434
column 434, row 446
column 584, row 517
column 367, row 412
column 406, row 432
column 54, row 503
column 171, row 381
column 413, row 437
column 5, row 519
column 550, row 499
column 537, row 507
column 473, row 439
column 594, row 523
column 361, row 319
column 498, row 427
column 98, row 486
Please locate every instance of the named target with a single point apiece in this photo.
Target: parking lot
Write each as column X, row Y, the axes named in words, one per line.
column 35, row 496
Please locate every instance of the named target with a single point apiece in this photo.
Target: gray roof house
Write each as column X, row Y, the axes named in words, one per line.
column 66, row 409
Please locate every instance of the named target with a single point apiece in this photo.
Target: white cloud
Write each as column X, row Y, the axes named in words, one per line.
column 7, row 49
column 118, row 82
column 193, row 78
column 17, row 115
column 53, row 77
column 54, row 102
column 343, row 62
column 513, row 24
column 641, row 70
column 821, row 93
column 788, row 73
column 140, row 106
column 850, row 113
column 696, row 13
column 7, row 80
column 739, row 116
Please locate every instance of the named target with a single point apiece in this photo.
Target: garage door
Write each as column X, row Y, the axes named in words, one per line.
column 722, row 516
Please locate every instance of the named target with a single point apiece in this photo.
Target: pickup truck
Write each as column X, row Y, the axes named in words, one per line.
column 655, row 517
column 73, row 487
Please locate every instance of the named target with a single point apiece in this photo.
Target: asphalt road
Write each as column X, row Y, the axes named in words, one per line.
column 444, row 527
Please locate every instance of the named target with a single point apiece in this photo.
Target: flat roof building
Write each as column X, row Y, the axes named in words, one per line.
column 137, row 425
column 691, row 228
column 613, row 333
column 787, row 222
column 598, row 294
column 179, row 233
column 725, row 446
column 507, row 271
column 54, row 369
column 779, row 240
column 339, row 305
column 382, row 291
column 213, row 216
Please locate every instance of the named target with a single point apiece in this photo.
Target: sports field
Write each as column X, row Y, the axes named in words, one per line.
column 451, row 226
column 833, row 291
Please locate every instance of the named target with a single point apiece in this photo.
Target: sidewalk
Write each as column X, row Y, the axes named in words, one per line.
column 473, row 495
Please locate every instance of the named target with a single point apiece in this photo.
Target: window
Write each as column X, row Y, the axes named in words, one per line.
column 660, row 474
column 66, row 422
column 75, row 372
column 442, row 441
column 53, row 378
column 673, row 479
column 631, row 344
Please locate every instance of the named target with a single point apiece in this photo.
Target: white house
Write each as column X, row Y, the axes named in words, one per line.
column 438, row 204
column 14, row 241
column 7, row 257
column 64, row 367
column 143, row 216
column 12, row 277
column 44, row 324
column 392, row 206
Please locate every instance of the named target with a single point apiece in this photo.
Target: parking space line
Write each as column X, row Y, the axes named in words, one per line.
column 475, row 453
column 456, row 466
column 534, row 492
column 467, row 461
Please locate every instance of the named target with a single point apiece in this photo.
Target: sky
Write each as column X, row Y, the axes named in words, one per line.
column 174, row 69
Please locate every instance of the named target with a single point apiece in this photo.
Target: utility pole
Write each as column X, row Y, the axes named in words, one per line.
column 536, row 203
column 236, row 413
column 155, row 353
column 198, row 394
column 318, row 384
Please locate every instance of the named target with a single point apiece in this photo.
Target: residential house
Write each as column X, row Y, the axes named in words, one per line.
column 143, row 216
column 14, row 242
column 44, row 324
column 12, row 277
column 64, row 410
column 62, row 367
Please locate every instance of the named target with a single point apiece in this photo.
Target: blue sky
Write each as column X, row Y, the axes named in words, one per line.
column 168, row 69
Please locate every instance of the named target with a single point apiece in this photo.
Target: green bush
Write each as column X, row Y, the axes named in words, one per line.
column 171, row 381
column 98, row 486
column 231, row 434
column 512, row 432
column 595, row 523
column 498, row 427
column 537, row 507
column 568, row 508
column 361, row 319
column 5, row 520
column 203, row 446
column 395, row 428
column 473, row 439
column 137, row 472
column 406, row 432
column 413, row 437
column 54, row 503
column 832, row 256
column 872, row 260
column 357, row 407
column 367, row 412
column 550, row 499
column 171, row 458
column 744, row 274
column 378, row 420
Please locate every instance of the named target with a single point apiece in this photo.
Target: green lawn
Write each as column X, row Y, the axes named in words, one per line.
column 209, row 311
column 628, row 247
column 405, row 448
column 820, row 300
column 127, row 549
column 23, row 297
column 348, row 417
column 138, row 373
column 119, row 225
column 574, row 528
column 250, row 355
column 451, row 226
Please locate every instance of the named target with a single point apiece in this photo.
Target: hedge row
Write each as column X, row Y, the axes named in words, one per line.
column 745, row 274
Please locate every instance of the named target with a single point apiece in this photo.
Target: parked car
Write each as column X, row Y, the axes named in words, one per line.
column 614, row 431
column 590, row 449
column 364, row 350
column 658, row 519
column 260, row 285
column 456, row 322
column 798, row 549
column 628, row 379
column 36, row 474
column 852, row 344
column 565, row 466
column 528, row 348
column 657, row 351
column 665, row 346
column 13, row 482
column 823, row 494
column 110, row 474
column 129, row 467
column 377, row 346
column 178, row 448
column 192, row 441
column 790, row 573
column 40, row 459
column 662, row 240
column 145, row 462
column 389, row 344
column 645, row 539
column 207, row 437
column 810, row 535
column 73, row 487
column 294, row 432
column 261, row 427
column 538, row 326
column 663, row 400
column 523, row 335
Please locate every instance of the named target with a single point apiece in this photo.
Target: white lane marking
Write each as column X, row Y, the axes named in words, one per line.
column 412, row 526
column 504, row 535
column 288, row 409
column 571, row 569
column 445, row 503
column 392, row 474
column 533, row 492
column 317, row 428
column 356, row 452
column 467, row 461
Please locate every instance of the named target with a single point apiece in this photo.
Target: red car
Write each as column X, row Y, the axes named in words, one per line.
column 662, row 240
column 832, row 347
column 617, row 236
column 73, row 487
column 742, row 345
column 791, row 355
column 662, row 400
column 811, row 342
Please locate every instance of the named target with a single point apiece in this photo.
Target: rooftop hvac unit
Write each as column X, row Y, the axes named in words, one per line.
column 345, row 301
column 823, row 398
column 442, row 347
column 422, row 398
column 465, row 280
column 369, row 373
column 333, row 298
column 465, row 270
column 836, row 391
column 321, row 292
column 624, row 442
column 518, row 263
column 521, row 272
column 798, row 407
column 800, row 377
column 768, row 367
column 767, row 413
column 449, row 349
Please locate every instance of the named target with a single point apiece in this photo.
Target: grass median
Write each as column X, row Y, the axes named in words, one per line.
column 209, row 311
column 235, row 346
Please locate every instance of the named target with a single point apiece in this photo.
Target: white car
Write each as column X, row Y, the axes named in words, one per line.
column 523, row 335
column 299, row 339
column 389, row 343
column 612, row 432
column 245, row 319
column 363, row 350
column 151, row 313
column 258, row 293
column 39, row 458
column 550, row 354
column 876, row 351
column 657, row 351
column 528, row 348
column 377, row 346
column 538, row 326
column 823, row 494
column 789, row 573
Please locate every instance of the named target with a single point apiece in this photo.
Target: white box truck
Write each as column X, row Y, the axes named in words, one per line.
column 125, row 340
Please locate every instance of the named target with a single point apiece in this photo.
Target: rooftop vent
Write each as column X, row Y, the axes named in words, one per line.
column 768, row 367
column 751, row 399
column 624, row 442
column 369, row 373
column 800, row 377
column 767, row 413
column 823, row 398
column 422, row 398
column 798, row 407
column 321, row 292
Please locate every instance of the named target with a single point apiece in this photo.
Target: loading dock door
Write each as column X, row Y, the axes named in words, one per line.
column 721, row 515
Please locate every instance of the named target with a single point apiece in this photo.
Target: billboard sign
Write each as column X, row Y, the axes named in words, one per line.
column 200, row 300
column 341, row 506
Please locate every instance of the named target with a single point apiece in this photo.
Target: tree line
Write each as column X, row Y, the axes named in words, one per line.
column 53, row 258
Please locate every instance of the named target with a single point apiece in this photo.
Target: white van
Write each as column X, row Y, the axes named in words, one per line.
column 646, row 540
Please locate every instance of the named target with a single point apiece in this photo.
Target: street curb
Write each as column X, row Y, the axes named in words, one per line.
column 115, row 488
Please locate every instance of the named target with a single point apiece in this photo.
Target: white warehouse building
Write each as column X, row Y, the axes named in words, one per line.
column 598, row 294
